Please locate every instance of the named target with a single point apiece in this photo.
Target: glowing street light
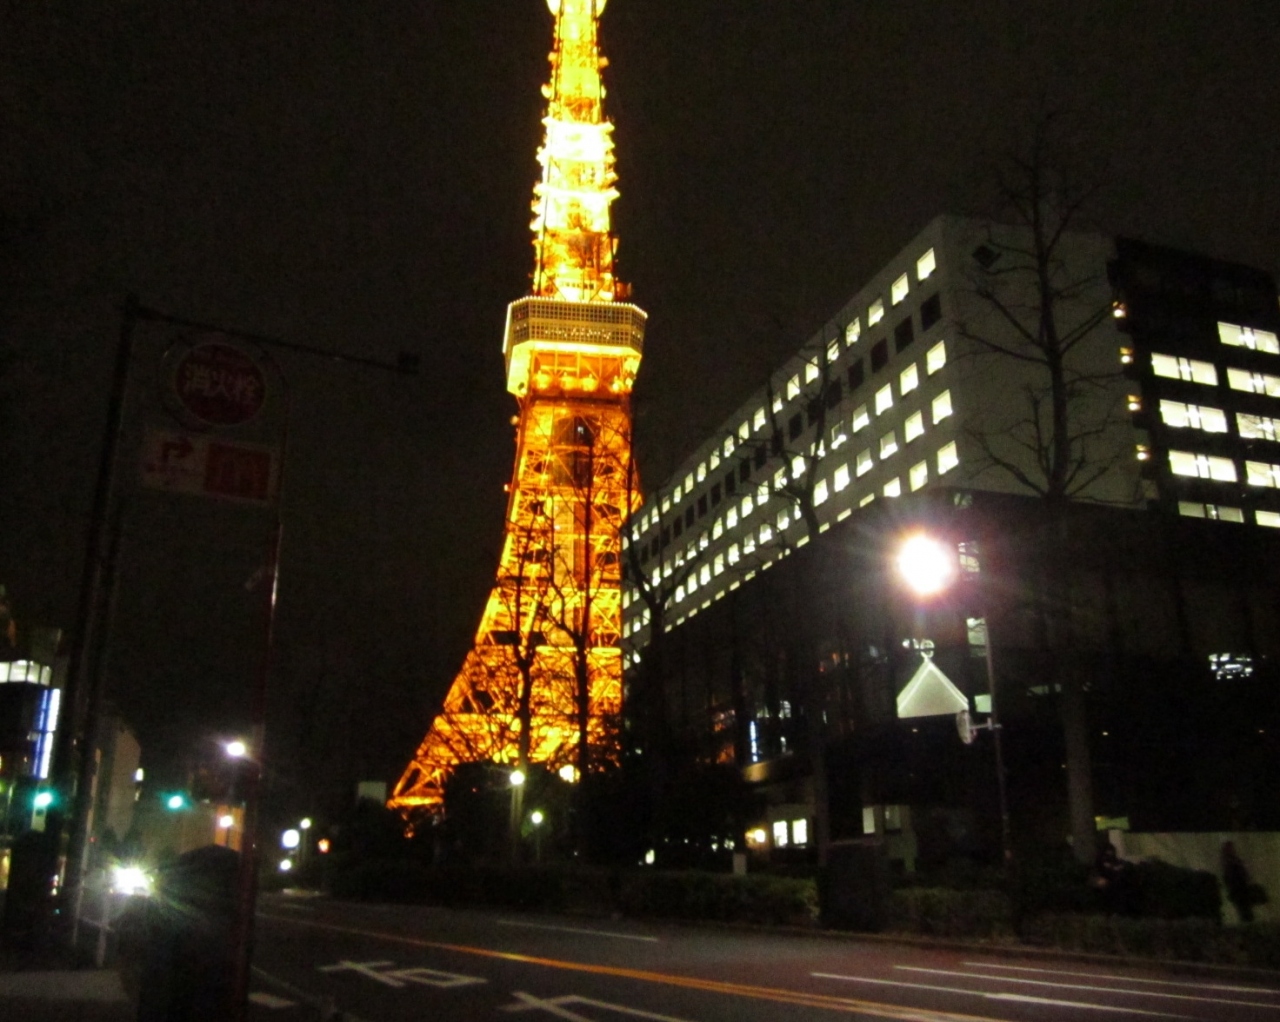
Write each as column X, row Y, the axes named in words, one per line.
column 236, row 749
column 290, row 839
column 929, row 566
column 517, row 778
column 305, row 824
column 226, row 821
column 536, row 817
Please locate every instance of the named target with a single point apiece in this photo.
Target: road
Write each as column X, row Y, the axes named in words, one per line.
column 391, row 963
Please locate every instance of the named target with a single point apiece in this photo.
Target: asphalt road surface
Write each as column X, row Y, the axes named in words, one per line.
column 390, row 963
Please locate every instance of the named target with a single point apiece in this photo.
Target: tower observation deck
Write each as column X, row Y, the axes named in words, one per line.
column 543, row 680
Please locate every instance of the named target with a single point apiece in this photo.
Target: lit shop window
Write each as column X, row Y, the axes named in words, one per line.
column 918, row 476
column 861, row 418
column 908, row 380
column 1261, row 473
column 935, row 358
column 876, row 312
column 1271, row 519
column 1249, row 337
column 888, row 445
column 1257, row 427
column 1192, row 509
column 852, row 332
column 884, row 399
column 820, row 493
column 941, row 406
column 793, row 387
column 864, row 462
column 898, row 292
column 841, row 478
column 757, row 420
column 913, row 427
column 1254, row 383
column 1202, row 466
column 1188, row 369
column 948, row 458
column 925, row 265
column 893, row 488
column 1175, row 413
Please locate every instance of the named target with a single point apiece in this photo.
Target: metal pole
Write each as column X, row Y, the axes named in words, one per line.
column 1006, row 843
column 247, row 880
column 73, row 760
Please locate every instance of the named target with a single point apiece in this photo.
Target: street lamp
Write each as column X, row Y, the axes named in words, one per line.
column 929, row 567
column 236, row 749
column 536, row 817
column 517, row 779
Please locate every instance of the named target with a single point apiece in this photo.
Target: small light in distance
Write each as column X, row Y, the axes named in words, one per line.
column 323, row 846
column 175, row 802
column 305, row 824
column 926, row 564
column 536, row 817
column 517, row 778
column 286, row 865
column 226, row 821
column 568, row 773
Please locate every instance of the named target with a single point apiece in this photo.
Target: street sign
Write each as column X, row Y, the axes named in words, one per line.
column 930, row 693
column 209, row 467
column 219, row 384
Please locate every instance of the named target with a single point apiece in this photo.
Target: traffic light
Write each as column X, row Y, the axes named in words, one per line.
column 175, row 801
column 43, row 800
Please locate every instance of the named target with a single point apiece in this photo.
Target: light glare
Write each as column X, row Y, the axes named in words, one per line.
column 927, row 565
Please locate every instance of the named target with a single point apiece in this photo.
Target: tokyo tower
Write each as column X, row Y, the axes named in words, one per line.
column 543, row 681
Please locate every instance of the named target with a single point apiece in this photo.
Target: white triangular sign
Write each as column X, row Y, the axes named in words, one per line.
column 930, row 693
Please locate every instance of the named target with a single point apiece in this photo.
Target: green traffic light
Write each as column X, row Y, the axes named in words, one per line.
column 43, row 800
column 175, row 802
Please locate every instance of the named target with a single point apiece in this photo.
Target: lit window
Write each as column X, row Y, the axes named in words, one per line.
column 888, row 445
column 1260, row 473
column 734, row 555
column 731, row 518
column 820, row 493
column 757, row 420
column 866, row 500
column 797, row 466
column 948, row 458
column 941, row 406
column 1175, row 413
column 841, row 478
column 704, row 576
column 666, row 504
column 714, row 461
column 833, row 350
column 1202, row 466
column 762, row 494
column 1231, row 666
column 1271, row 519
column 811, row 371
column 727, row 447
column 913, row 427
column 679, row 593
column 702, row 471
column 925, row 265
column 766, row 533
column 777, row 402
column 898, row 292
column 864, row 463
column 1257, row 427
column 893, row 488
column 744, row 430
column 717, row 566
column 918, row 475
column 780, row 479
column 784, row 518
column 800, row 832
column 1184, row 369
column 852, row 332
column 1190, row 509
column 793, row 387
column 908, row 380
column 936, row 358
column 884, row 399
column 749, row 543
column 1249, row 337
column 876, row 312
column 688, row 483
column 780, row 834
column 838, row 435
column 717, row 530
column 747, row 505
column 1254, row 383
column 861, row 418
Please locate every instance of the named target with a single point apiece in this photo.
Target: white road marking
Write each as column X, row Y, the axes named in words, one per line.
column 1226, row 988
column 435, row 978
column 993, row 997
column 367, row 969
column 577, row 929
column 270, row 1000
column 556, row 1006
column 1090, row 988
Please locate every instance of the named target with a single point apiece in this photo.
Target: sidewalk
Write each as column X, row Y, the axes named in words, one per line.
column 64, row 996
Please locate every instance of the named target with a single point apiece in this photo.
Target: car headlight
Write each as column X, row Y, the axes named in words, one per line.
column 131, row 880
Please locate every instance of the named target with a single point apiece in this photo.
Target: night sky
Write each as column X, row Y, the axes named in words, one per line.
column 356, row 175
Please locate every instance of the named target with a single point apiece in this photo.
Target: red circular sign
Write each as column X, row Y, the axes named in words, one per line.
column 219, row 384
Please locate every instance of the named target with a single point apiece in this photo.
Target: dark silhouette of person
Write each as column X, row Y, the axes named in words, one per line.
column 1235, row 878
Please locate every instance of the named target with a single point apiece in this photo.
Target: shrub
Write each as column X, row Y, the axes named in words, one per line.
column 720, row 897
column 942, row 912
column 1185, row 940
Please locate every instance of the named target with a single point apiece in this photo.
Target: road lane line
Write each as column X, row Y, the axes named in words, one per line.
column 576, row 929
column 1225, row 987
column 1089, row 987
column 270, row 1000
column 848, row 1005
column 530, row 1003
column 986, row 995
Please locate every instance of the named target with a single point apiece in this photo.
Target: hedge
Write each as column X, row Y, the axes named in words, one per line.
column 943, row 912
column 1186, row 940
column 720, row 896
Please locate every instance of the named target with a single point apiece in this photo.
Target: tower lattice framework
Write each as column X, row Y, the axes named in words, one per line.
column 543, row 681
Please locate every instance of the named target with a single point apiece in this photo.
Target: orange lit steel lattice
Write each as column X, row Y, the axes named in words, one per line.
column 543, row 682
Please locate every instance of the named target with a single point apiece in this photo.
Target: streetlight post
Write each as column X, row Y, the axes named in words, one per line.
column 517, row 779
column 929, row 567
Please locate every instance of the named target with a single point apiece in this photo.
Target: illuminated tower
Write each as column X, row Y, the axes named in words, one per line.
column 543, row 682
